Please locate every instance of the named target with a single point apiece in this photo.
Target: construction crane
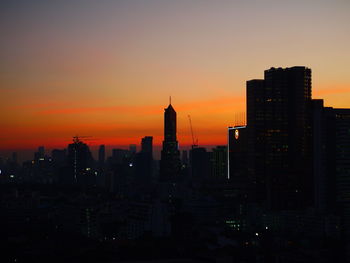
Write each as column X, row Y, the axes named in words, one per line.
column 77, row 138
column 194, row 143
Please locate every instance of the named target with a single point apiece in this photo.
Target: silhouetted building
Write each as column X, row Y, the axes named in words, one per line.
column 237, row 152
column 170, row 155
column 342, row 165
column 144, row 161
column 41, row 151
column 279, row 137
column 119, row 155
column 101, row 154
column 184, row 158
column 219, row 163
column 58, row 156
column 80, row 163
column 199, row 163
column 324, row 143
column 147, row 145
column 40, row 154
column 132, row 148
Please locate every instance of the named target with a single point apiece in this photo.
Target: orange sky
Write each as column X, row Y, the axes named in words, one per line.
column 107, row 69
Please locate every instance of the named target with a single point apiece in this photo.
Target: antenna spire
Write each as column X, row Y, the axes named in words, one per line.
column 170, row 100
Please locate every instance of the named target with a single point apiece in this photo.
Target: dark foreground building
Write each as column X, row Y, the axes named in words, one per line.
column 279, row 130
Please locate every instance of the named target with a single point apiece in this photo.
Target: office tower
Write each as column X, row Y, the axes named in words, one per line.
column 342, row 166
column 237, row 152
column 200, row 164
column 323, row 152
column 279, row 137
column 144, row 161
column 101, row 155
column 147, row 145
column 219, row 163
column 331, row 161
column 170, row 155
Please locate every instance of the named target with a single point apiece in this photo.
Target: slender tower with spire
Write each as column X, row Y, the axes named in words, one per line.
column 170, row 155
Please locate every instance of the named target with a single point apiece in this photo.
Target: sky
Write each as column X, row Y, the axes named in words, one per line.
column 106, row 68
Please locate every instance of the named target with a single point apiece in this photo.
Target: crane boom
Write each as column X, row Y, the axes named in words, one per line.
column 194, row 144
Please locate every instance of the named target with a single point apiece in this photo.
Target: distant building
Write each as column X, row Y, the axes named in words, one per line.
column 144, row 161
column 237, row 152
column 147, row 145
column 58, row 156
column 170, row 155
column 80, row 163
column 119, row 155
column 40, row 154
column 101, row 154
column 132, row 148
column 219, row 163
column 199, row 163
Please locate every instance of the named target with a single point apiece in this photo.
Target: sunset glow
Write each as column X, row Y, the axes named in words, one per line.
column 107, row 68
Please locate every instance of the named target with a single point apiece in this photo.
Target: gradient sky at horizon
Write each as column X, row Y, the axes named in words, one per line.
column 107, row 68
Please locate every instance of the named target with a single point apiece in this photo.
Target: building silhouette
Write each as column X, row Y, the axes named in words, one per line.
column 237, row 152
column 170, row 155
column 101, row 154
column 331, row 161
column 342, row 165
column 219, row 163
column 144, row 161
column 80, row 163
column 200, row 164
column 279, row 137
column 147, row 145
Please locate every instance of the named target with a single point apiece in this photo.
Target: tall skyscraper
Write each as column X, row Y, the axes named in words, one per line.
column 170, row 155
column 279, row 137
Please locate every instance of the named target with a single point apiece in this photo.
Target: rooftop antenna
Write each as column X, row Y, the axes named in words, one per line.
column 170, row 100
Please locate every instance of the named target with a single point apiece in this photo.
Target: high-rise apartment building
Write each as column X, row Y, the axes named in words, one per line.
column 279, row 137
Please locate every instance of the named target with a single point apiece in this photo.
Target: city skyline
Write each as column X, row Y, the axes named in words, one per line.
column 107, row 69
column 279, row 184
